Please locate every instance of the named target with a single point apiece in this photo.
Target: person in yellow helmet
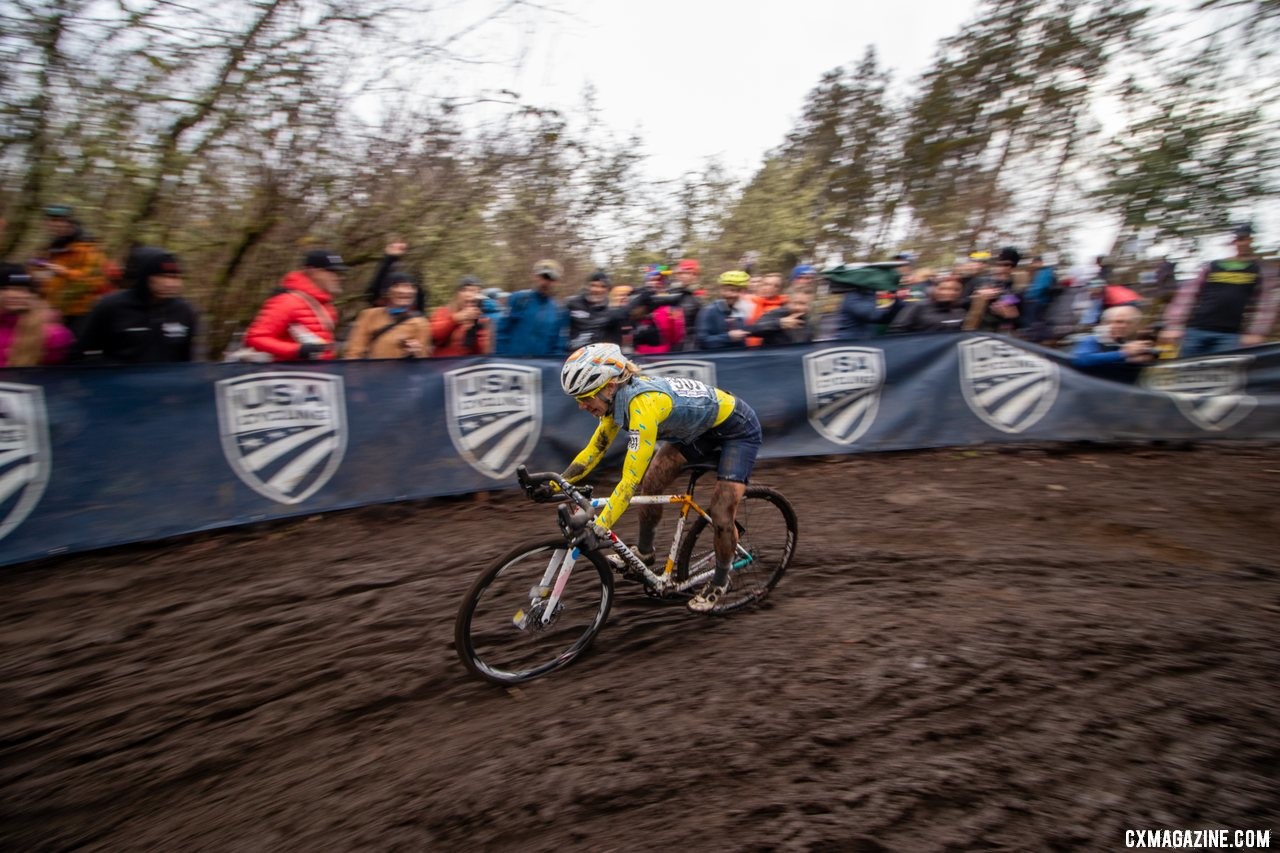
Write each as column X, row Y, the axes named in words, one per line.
column 697, row 423
column 722, row 324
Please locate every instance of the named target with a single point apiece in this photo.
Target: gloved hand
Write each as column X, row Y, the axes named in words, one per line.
column 593, row 538
column 310, row 352
column 543, row 493
column 585, row 532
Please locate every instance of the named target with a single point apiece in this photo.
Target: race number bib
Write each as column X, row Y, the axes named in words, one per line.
column 689, row 387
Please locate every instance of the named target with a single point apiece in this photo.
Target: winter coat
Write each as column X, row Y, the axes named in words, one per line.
column 379, row 333
column 534, row 324
column 715, row 321
column 861, row 316
column 930, row 316
column 376, row 293
column 74, row 293
column 757, row 307
column 451, row 338
column 1100, row 355
column 769, row 329
column 57, row 340
column 287, row 322
column 132, row 326
column 593, row 322
column 660, row 332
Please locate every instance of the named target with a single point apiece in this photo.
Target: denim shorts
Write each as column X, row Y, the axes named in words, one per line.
column 736, row 442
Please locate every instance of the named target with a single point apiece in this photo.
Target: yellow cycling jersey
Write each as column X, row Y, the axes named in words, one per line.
column 648, row 411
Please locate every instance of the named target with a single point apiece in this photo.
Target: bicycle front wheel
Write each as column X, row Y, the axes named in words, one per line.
column 512, row 627
column 767, row 531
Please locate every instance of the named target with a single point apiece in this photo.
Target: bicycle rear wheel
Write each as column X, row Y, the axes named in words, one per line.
column 767, row 529
column 503, row 632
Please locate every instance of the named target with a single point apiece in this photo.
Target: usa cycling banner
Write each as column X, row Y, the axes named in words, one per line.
column 97, row 456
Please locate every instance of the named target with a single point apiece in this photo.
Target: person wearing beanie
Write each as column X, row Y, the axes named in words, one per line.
column 299, row 320
column 394, row 330
column 684, row 293
column 592, row 320
column 148, row 322
column 73, row 273
column 30, row 333
column 802, row 276
column 386, row 275
column 993, row 306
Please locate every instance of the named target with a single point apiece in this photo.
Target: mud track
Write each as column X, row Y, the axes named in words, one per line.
column 1033, row 649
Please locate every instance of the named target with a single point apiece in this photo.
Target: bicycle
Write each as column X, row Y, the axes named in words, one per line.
column 540, row 605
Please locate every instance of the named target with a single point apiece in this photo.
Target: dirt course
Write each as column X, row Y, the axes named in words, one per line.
column 1020, row 650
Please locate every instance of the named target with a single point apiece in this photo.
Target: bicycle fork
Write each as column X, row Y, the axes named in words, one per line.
column 544, row 597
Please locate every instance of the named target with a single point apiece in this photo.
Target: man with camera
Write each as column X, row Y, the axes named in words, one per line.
column 1115, row 347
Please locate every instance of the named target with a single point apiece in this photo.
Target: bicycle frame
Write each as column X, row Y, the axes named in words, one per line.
column 560, row 566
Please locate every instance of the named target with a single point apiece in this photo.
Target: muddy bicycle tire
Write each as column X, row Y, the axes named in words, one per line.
column 494, row 647
column 767, row 527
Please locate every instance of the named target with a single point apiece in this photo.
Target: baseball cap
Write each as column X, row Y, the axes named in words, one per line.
column 599, row 275
column 549, row 269
column 803, row 269
column 58, row 211
column 979, row 256
column 1242, row 232
column 735, row 278
column 323, row 259
column 689, row 265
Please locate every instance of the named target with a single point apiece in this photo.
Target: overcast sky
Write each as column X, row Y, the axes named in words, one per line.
column 697, row 79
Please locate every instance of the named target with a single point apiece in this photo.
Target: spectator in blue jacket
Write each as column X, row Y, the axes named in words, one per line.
column 1114, row 346
column 721, row 324
column 861, row 318
column 536, row 323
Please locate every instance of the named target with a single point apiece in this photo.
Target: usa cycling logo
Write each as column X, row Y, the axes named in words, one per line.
column 683, row 368
column 843, row 387
column 1208, row 391
column 24, row 453
column 1009, row 388
column 283, row 433
column 494, row 412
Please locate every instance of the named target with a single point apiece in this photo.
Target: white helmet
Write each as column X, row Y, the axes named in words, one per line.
column 588, row 369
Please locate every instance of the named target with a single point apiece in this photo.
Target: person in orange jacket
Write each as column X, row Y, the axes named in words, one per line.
column 74, row 273
column 767, row 298
column 298, row 321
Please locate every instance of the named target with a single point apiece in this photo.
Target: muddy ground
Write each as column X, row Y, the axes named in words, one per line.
column 1030, row 649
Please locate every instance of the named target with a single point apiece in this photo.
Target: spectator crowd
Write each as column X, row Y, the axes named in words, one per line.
column 73, row 303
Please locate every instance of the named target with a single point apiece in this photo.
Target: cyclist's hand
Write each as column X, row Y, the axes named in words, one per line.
column 543, row 493
column 593, row 537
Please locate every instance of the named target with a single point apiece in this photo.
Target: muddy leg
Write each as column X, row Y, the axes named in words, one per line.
column 724, row 508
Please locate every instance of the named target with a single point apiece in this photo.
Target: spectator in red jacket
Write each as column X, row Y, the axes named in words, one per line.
column 298, row 321
column 460, row 328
